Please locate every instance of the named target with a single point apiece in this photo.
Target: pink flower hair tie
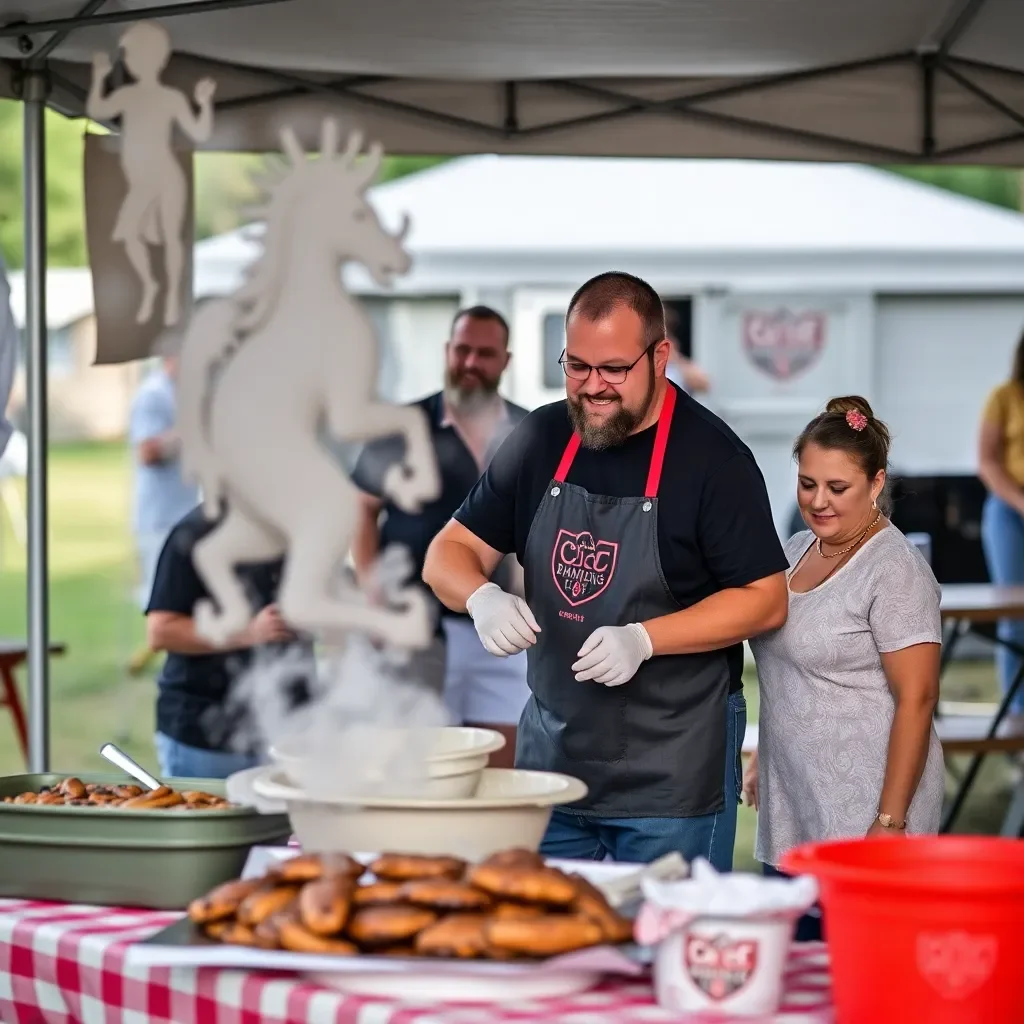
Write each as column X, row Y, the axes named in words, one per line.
column 856, row 419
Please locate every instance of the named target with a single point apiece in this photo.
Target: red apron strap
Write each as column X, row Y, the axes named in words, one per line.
column 567, row 456
column 660, row 442
column 657, row 455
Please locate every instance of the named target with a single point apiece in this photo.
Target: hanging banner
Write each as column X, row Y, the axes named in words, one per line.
column 117, row 290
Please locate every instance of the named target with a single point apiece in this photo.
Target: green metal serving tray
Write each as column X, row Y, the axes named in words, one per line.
column 157, row 859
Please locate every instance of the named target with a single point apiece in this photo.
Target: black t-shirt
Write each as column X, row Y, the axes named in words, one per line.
column 193, row 705
column 715, row 528
column 456, row 465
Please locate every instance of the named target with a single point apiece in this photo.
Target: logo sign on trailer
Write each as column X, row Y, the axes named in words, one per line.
column 784, row 344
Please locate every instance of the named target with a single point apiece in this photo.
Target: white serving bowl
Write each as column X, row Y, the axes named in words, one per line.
column 456, row 757
column 511, row 808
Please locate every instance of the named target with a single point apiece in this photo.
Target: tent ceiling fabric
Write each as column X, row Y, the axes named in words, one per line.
column 871, row 80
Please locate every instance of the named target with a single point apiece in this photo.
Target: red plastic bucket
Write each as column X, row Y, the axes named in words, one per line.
column 926, row 929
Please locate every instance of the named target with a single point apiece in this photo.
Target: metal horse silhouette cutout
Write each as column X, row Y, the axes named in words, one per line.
column 262, row 370
column 153, row 210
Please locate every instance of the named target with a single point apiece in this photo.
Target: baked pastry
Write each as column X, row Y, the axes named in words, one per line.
column 529, row 885
column 324, row 904
column 458, row 935
column 398, row 867
column 517, row 857
column 309, row 866
column 266, row 900
column 162, row 797
column 73, row 789
column 294, row 936
column 223, row 901
column 442, row 894
column 389, row 925
column 236, row 934
column 517, row 911
column 550, row 935
column 591, row 903
column 376, row 894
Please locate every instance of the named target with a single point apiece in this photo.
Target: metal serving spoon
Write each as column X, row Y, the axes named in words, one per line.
column 118, row 757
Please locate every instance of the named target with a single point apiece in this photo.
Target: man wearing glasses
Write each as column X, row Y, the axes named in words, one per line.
column 643, row 526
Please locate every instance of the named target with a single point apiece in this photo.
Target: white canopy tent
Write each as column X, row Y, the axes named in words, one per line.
column 868, row 80
column 875, row 80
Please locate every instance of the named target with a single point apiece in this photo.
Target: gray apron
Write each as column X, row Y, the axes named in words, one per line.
column 655, row 746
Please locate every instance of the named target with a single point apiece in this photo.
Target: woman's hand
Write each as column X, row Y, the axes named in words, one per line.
column 750, row 782
column 878, row 829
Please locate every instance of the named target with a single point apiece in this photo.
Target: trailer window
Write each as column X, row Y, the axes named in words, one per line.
column 554, row 342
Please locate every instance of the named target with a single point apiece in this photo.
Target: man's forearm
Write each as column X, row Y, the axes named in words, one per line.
column 158, row 450
column 365, row 545
column 453, row 572
column 177, row 635
column 721, row 620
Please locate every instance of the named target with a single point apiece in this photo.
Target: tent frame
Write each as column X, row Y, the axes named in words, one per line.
column 35, row 79
column 929, row 63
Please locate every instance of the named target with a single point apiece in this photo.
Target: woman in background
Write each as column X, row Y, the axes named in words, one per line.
column 849, row 684
column 1001, row 468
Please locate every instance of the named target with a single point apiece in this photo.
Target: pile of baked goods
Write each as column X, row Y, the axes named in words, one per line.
column 73, row 792
column 509, row 906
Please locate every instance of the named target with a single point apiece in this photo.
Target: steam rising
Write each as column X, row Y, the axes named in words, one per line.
column 367, row 728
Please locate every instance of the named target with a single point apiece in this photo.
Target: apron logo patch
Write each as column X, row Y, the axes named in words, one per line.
column 718, row 966
column 582, row 567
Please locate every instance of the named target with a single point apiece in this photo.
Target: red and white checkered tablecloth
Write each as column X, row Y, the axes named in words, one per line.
column 62, row 963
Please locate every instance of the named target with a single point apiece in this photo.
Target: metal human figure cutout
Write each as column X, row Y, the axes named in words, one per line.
column 153, row 211
column 262, row 370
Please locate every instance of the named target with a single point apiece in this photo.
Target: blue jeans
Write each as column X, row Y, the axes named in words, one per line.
column 640, row 840
column 1002, row 535
column 808, row 927
column 180, row 761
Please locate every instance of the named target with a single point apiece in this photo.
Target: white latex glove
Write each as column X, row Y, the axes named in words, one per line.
column 503, row 621
column 612, row 654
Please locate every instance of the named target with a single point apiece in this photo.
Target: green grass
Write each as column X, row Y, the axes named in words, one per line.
column 92, row 576
column 92, row 609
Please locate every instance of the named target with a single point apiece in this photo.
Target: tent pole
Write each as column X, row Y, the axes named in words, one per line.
column 35, row 88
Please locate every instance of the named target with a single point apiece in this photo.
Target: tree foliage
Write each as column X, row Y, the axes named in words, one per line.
column 997, row 185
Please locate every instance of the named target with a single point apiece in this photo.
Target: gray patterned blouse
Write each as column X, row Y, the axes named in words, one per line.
column 826, row 707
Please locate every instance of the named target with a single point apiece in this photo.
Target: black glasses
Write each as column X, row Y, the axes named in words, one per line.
column 609, row 374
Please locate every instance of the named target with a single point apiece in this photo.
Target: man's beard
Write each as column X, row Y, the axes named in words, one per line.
column 478, row 395
column 617, row 427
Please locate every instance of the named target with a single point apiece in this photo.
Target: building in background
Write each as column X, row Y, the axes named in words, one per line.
column 86, row 402
column 792, row 283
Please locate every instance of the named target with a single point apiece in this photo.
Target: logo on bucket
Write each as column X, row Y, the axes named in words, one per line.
column 956, row 964
column 718, row 966
column 582, row 567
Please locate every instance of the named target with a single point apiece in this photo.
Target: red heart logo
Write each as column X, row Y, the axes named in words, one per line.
column 956, row 964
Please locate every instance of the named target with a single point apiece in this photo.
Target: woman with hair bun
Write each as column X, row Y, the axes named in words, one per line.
column 849, row 684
